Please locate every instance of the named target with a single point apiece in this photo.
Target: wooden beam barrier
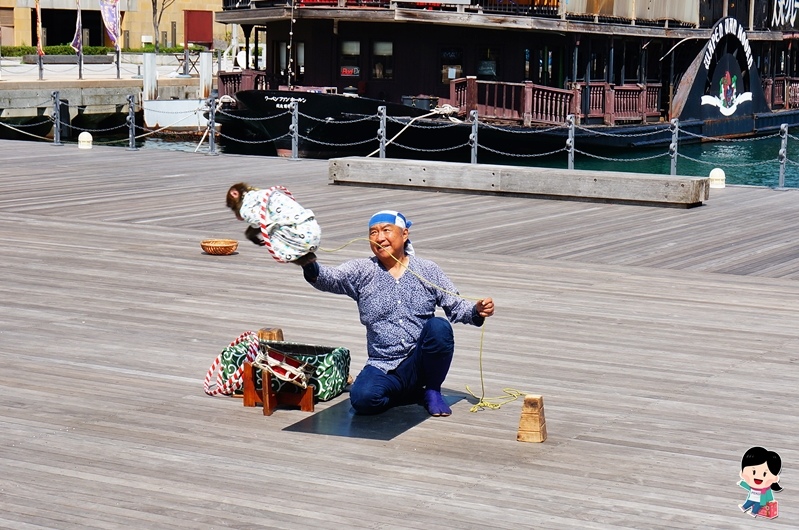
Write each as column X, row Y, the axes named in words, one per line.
column 552, row 183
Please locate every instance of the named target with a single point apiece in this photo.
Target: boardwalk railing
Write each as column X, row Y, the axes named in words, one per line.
column 530, row 103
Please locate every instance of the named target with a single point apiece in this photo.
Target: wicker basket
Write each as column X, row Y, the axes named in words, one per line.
column 219, row 247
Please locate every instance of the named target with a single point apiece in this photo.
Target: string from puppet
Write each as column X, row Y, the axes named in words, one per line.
column 482, row 401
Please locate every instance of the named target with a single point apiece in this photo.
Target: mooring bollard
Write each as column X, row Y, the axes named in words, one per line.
column 85, row 140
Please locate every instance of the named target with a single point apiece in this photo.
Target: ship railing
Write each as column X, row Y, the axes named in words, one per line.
column 521, row 102
column 530, row 103
column 782, row 92
column 541, row 8
column 633, row 103
column 229, row 83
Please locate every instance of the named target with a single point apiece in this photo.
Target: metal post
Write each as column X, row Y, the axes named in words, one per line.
column 131, row 119
column 185, row 62
column 783, row 156
column 473, row 135
column 381, row 131
column 40, row 62
column 294, row 130
column 570, row 140
column 56, row 118
column 675, row 136
column 212, row 125
column 119, row 59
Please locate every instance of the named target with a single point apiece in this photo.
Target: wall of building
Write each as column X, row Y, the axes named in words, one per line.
column 137, row 19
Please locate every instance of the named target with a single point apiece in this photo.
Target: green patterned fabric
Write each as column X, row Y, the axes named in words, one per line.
column 332, row 367
column 232, row 358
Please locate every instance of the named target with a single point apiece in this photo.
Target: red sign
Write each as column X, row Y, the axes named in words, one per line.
column 350, row 71
column 198, row 27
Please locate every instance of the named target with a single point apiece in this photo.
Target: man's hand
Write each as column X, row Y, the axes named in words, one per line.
column 485, row 307
column 302, row 261
column 254, row 234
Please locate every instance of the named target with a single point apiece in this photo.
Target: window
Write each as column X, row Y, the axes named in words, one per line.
column 451, row 64
column 350, row 65
column 297, row 61
column 487, row 65
column 382, row 60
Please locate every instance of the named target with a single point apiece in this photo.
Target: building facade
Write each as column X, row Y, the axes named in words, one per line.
column 18, row 23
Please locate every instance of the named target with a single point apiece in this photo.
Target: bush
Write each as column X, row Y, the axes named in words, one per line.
column 64, row 49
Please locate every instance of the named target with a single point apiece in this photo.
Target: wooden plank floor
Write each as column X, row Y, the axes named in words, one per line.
column 664, row 341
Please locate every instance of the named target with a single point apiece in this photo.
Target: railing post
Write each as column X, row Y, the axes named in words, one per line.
column 56, row 118
column 570, row 140
column 610, row 105
column 576, row 101
column 768, row 89
column 381, row 131
column 212, row 125
column 642, row 102
column 783, row 154
column 675, row 136
column 473, row 136
column 294, row 130
column 131, row 119
column 527, row 112
column 471, row 92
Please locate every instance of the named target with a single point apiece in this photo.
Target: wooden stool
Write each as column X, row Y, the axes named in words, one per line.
column 270, row 334
column 532, row 424
column 268, row 397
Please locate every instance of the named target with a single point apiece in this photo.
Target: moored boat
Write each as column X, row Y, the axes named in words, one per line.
column 626, row 75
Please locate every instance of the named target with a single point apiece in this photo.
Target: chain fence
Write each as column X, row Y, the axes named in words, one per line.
column 288, row 128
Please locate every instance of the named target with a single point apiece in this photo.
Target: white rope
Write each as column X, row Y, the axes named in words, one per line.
column 224, row 99
column 443, row 110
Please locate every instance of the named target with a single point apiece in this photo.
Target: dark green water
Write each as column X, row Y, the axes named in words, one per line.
column 750, row 162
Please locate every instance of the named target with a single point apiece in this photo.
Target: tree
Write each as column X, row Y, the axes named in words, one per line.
column 158, row 12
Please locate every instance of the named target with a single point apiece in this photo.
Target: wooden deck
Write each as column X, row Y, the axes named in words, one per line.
column 664, row 341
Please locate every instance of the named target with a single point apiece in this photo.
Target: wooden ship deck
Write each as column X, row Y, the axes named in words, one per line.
column 664, row 342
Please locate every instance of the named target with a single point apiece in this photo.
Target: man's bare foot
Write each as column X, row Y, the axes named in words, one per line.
column 435, row 404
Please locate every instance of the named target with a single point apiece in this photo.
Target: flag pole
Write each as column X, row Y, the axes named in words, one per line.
column 39, row 48
column 119, row 31
column 77, row 40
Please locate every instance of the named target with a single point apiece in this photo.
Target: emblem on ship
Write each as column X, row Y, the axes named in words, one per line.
column 728, row 99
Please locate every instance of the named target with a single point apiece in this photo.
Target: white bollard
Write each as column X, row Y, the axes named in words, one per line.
column 85, row 140
column 717, row 178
